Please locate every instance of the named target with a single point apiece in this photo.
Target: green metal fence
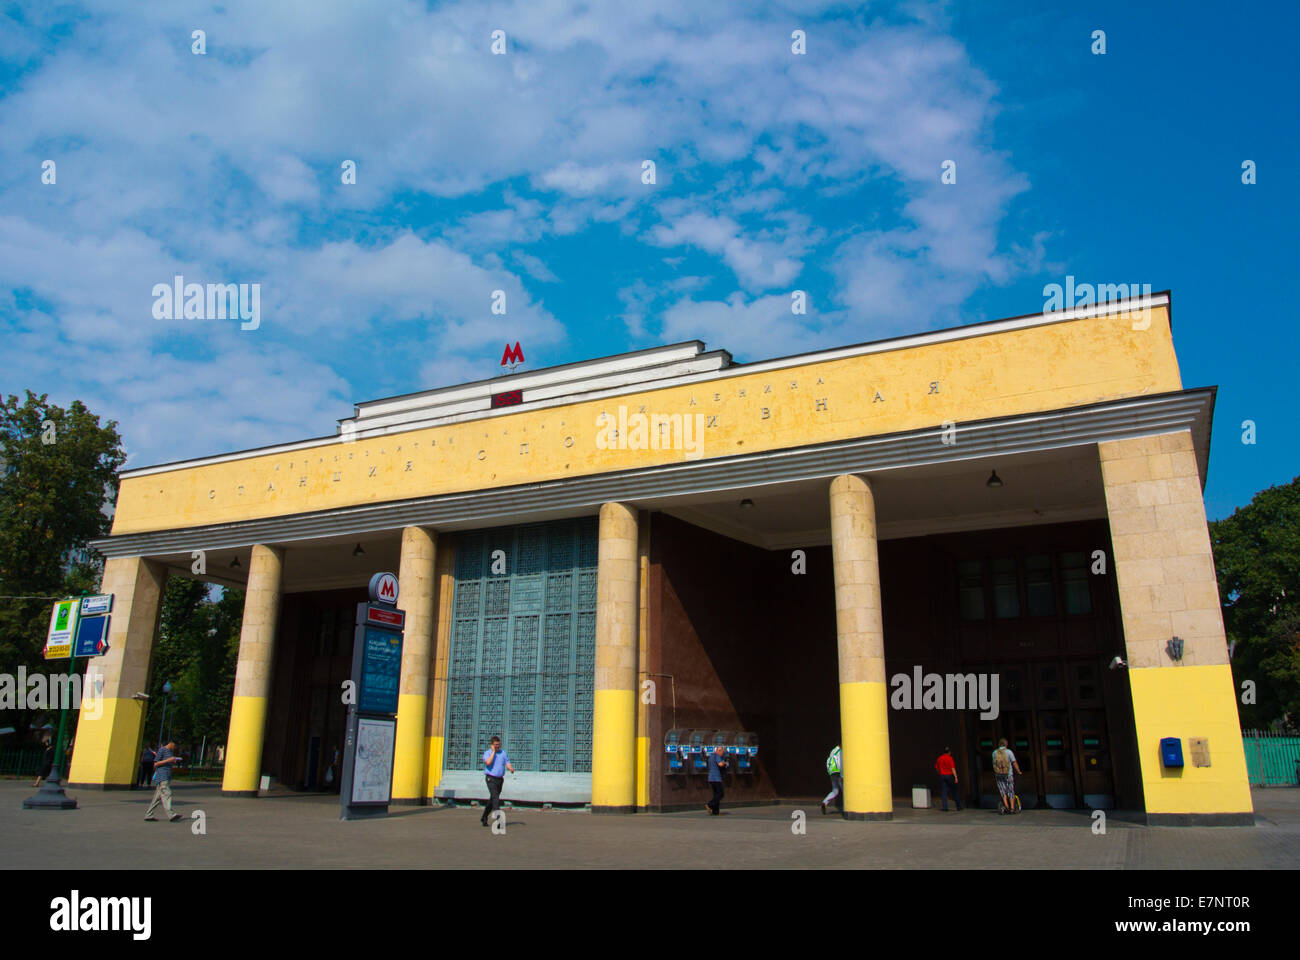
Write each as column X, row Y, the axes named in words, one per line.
column 1272, row 759
column 21, row 761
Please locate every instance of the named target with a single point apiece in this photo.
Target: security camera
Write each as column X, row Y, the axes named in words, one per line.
column 1118, row 664
column 139, row 696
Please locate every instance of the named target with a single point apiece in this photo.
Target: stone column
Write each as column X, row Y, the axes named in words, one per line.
column 864, row 700
column 253, row 673
column 613, row 760
column 643, row 764
column 1164, row 570
column 111, row 724
column 435, row 738
column 415, row 596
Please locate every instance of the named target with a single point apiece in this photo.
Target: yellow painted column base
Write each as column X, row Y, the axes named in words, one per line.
column 864, row 743
column 613, row 752
column 1187, row 702
column 244, row 746
column 433, row 769
column 642, row 772
column 409, row 749
column 107, row 751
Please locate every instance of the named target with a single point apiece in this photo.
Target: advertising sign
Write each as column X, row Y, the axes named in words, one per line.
column 63, row 628
column 381, row 670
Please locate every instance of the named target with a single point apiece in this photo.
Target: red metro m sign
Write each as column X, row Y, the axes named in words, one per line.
column 383, row 588
column 512, row 356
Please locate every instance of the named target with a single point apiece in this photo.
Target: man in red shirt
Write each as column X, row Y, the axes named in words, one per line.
column 947, row 768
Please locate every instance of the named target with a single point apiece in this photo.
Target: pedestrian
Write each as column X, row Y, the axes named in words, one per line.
column 947, row 768
column 1004, row 761
column 495, row 762
column 717, row 762
column 47, row 762
column 146, row 766
column 162, row 778
column 835, row 770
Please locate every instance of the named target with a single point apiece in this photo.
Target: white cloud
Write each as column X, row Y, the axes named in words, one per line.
column 225, row 168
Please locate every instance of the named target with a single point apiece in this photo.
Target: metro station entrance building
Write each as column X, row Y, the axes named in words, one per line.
column 844, row 547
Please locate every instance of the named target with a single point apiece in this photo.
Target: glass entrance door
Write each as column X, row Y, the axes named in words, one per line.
column 522, row 658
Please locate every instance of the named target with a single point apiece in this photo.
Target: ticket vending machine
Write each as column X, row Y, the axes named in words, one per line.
column 676, row 742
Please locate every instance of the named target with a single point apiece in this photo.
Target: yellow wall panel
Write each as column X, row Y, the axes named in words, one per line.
column 987, row 375
column 1186, row 702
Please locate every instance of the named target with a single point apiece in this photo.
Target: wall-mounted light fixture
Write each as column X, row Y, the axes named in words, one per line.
column 1175, row 649
column 358, row 552
column 746, row 504
column 234, row 564
column 994, row 480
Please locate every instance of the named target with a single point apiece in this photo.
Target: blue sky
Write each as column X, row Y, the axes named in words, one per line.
column 522, row 173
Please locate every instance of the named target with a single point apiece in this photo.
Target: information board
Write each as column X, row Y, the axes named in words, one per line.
column 372, row 773
column 381, row 671
column 371, row 738
column 92, row 637
column 94, row 606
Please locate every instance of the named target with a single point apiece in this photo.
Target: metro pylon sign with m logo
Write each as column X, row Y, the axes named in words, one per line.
column 383, row 588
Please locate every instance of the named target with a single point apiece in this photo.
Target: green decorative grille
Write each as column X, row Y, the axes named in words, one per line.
column 523, row 647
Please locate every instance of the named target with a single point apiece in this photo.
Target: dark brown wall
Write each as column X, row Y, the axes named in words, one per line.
column 752, row 646
column 298, row 670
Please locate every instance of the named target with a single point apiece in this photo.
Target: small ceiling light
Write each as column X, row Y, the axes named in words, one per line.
column 358, row 552
column 993, row 480
column 746, row 504
column 234, row 564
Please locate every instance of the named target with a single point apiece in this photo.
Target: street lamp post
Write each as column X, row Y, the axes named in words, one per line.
column 167, row 689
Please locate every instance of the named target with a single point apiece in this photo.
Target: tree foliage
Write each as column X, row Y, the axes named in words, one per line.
column 197, row 649
column 1257, row 558
column 58, row 471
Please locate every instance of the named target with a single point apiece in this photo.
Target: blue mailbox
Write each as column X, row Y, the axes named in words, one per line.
column 675, row 744
column 1171, row 752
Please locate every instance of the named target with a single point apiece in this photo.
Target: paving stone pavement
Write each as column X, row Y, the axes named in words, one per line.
column 291, row 830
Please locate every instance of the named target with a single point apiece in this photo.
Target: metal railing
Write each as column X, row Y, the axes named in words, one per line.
column 1272, row 759
column 21, row 761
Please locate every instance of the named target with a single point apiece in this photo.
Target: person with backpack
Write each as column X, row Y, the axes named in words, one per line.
column 1004, row 761
column 835, row 770
column 947, row 769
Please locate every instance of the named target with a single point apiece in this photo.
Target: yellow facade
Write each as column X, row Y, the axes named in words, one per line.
column 1162, row 560
column 1164, row 565
column 986, row 375
column 108, row 740
column 1188, row 702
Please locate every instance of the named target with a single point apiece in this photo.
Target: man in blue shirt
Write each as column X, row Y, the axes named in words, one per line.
column 717, row 760
column 496, row 762
column 162, row 778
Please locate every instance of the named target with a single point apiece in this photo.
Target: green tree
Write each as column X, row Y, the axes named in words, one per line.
column 1257, row 558
column 58, row 471
column 197, row 649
